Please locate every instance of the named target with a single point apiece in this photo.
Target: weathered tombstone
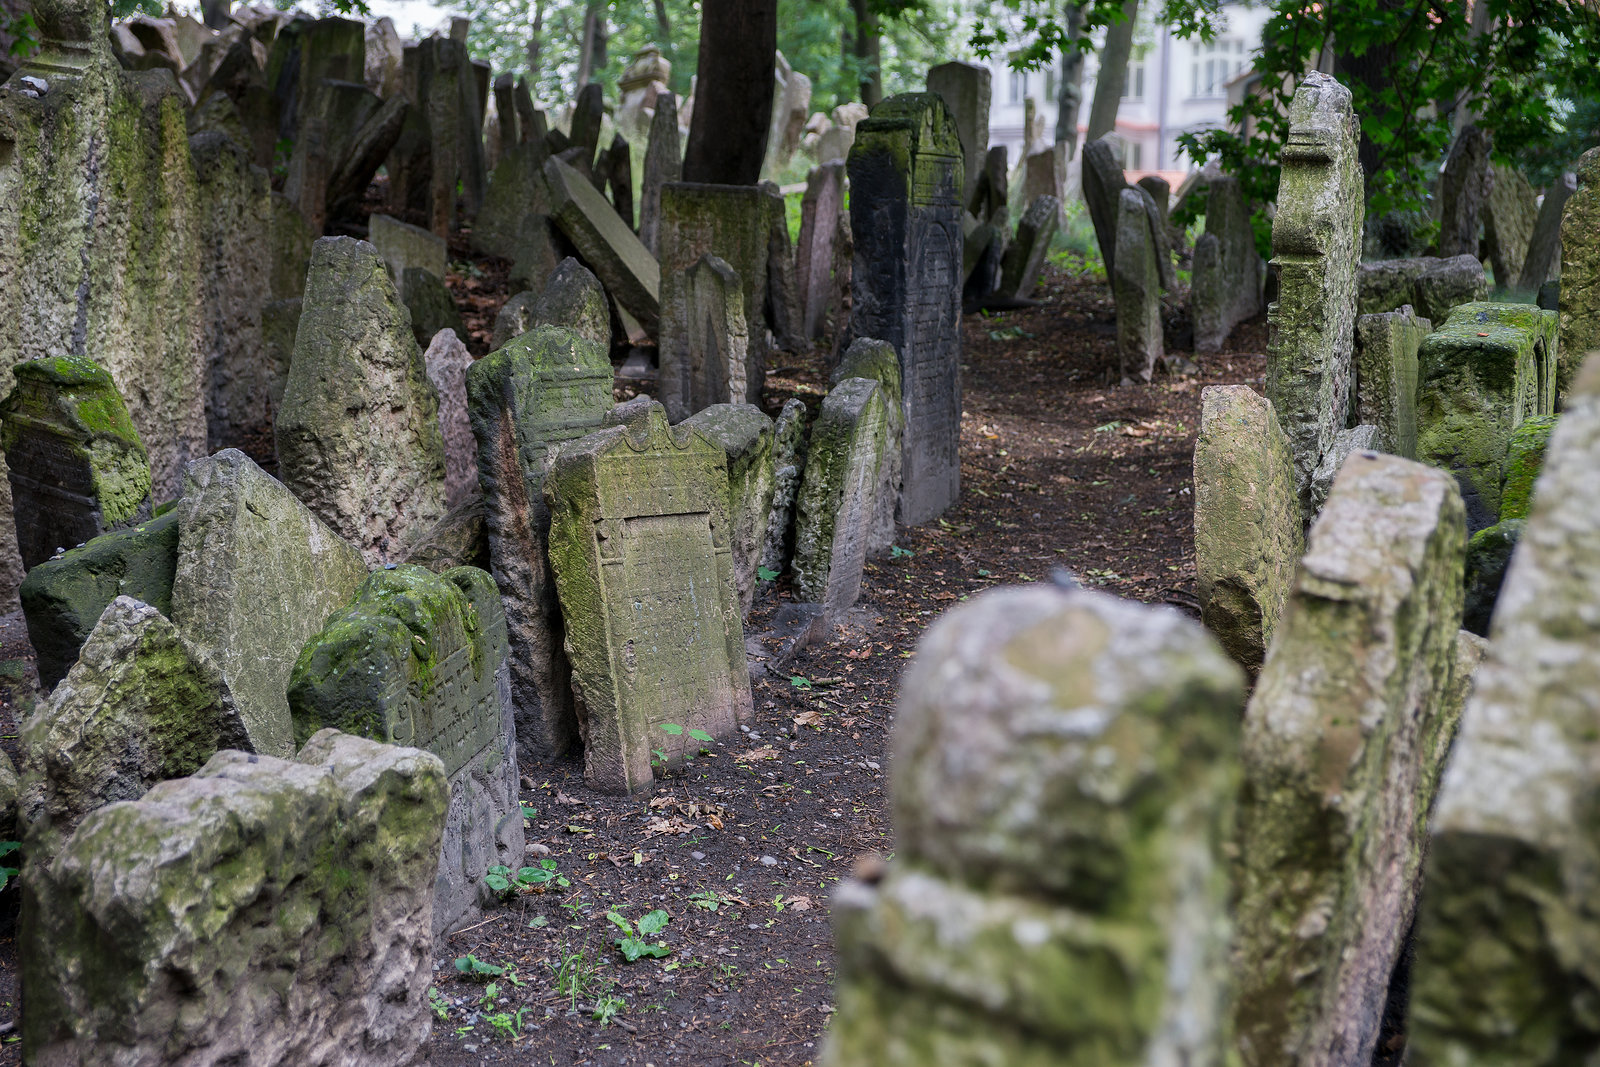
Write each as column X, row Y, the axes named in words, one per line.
column 619, row 178
column 1386, row 377
column 745, row 434
column 1489, row 554
column 964, row 87
column 1524, row 461
column 869, row 358
column 640, row 541
column 141, row 705
column 428, row 301
column 707, row 365
column 1024, row 257
column 1064, row 772
column 447, row 93
column 1136, row 286
column 628, row 270
column 1580, row 270
column 782, row 305
column 261, row 910
column 663, row 163
column 1248, row 530
column 447, row 360
column 1479, row 375
column 587, row 112
column 292, row 241
column 819, row 213
column 1499, row 974
column 419, row 659
column 1544, row 246
column 905, row 215
column 1363, row 437
column 1103, row 182
column 75, row 462
column 63, row 598
column 1464, row 188
column 381, row 68
column 1344, row 743
column 788, row 462
column 838, row 496
column 358, row 433
column 572, row 297
column 461, row 539
column 1316, row 244
column 1044, row 173
column 1160, row 191
column 404, row 246
column 257, row 573
column 1433, row 286
column 545, row 387
column 1227, row 269
column 1509, row 214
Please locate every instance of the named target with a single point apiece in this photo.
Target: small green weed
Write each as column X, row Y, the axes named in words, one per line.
column 632, row 943
column 475, row 970
column 525, row 880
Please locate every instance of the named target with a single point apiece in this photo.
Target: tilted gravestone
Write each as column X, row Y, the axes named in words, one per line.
column 1386, row 377
column 403, row 246
column 1024, row 257
column 358, row 433
column 788, row 463
column 819, row 216
column 867, row 358
column 663, row 163
column 141, row 705
column 1248, row 530
column 587, row 112
column 75, row 462
column 1345, row 739
column 1489, row 367
column 419, row 659
column 1464, row 184
column 257, row 573
column 1431, row 285
column 571, row 298
column 1500, row 974
column 447, row 360
column 707, row 359
column 1509, row 215
column 542, row 389
column 1316, row 244
column 1064, row 771
column 1103, row 182
column 745, row 434
column 1580, row 269
column 838, row 496
column 260, row 911
column 1363, row 437
column 1136, row 286
column 1544, row 245
column 964, row 87
column 641, row 545
column 629, row 272
column 905, row 217
column 1227, row 268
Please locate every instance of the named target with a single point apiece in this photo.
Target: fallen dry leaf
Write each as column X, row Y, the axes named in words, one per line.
column 764, row 752
column 799, row 903
column 809, row 718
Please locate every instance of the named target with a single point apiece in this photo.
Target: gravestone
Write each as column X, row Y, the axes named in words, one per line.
column 1024, row 258
column 260, row 911
column 1248, row 530
column 427, row 299
column 419, row 659
column 1524, row 461
column 626, row 268
column 461, row 539
column 1509, row 215
column 381, row 67
column 619, row 178
column 515, row 221
column 1464, row 185
column 1433, row 286
column 291, row 244
column 1227, row 269
column 1344, row 743
column 1386, row 377
column 544, row 388
column 76, row 465
column 1103, row 182
column 1489, row 553
column 404, row 246
column 358, row 433
column 140, row 706
column 1580, row 270
column 745, row 434
column 905, row 220
column 1064, row 772
column 1363, row 437
column 964, row 87
column 257, row 573
column 1544, row 246
column 788, row 463
column 1136, row 286
column 640, row 542
column 63, row 598
column 1480, row 374
column 571, row 297
column 782, row 305
column 706, row 359
column 1499, row 975
column 820, row 209
column 1316, row 244
column 447, row 95
column 732, row 223
column 663, row 163
column 867, row 358
column 1160, row 191
column 587, row 112
column 447, row 360
column 838, row 496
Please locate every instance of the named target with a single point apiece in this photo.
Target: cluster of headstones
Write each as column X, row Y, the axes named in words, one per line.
column 1099, row 860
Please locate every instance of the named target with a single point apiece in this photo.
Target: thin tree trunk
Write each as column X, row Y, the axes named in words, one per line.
column 1113, row 76
column 1070, row 94
column 733, row 92
column 535, row 43
column 586, row 47
column 868, row 53
column 663, row 30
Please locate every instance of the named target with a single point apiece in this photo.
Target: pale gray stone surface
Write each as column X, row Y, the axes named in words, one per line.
column 788, row 463
column 745, row 434
column 1386, row 377
column 709, row 366
column 447, row 360
column 1136, row 287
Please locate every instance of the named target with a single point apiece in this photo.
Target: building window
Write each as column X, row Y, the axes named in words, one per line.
column 1133, row 88
column 1134, row 158
column 1212, row 64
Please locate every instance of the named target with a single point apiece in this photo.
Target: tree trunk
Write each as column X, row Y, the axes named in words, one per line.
column 733, row 92
column 663, row 30
column 868, row 53
column 1375, row 70
column 1070, row 95
column 1113, row 76
column 586, row 47
column 535, row 43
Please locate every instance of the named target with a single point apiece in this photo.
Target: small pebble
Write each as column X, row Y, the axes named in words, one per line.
column 698, row 855
column 872, row 766
column 755, row 735
column 539, row 850
column 769, row 861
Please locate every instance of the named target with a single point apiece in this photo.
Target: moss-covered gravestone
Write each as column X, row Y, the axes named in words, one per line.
column 1344, row 742
column 141, row 705
column 1386, row 377
column 1065, row 765
column 630, row 273
column 788, row 463
column 546, row 387
column 1136, row 286
column 1524, row 460
column 1431, row 285
column 906, row 179
column 641, row 545
column 1580, row 269
column 419, row 659
column 1316, row 244
column 1227, row 268
column 1502, row 972
column 868, row 358
column 257, row 575
column 76, row 464
column 358, row 433
column 709, row 357
column 1509, row 214
column 1248, row 535
column 447, row 360
column 745, row 433
column 1489, row 367
column 260, row 911
column 63, row 598
column 571, row 297
column 403, row 246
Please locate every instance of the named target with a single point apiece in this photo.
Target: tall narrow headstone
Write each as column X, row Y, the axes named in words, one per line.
column 788, row 462
column 1024, row 258
column 640, row 541
column 447, row 360
column 1580, row 270
column 1386, row 377
column 663, row 163
column 1103, row 182
column 819, row 216
column 1316, row 244
column 1227, row 270
column 1344, row 743
column 1544, row 246
column 964, row 87
column 1136, row 287
column 1509, row 214
column 716, row 341
column 905, row 215
column 587, row 111
column 876, row 360
column 630, row 273
column 1464, row 191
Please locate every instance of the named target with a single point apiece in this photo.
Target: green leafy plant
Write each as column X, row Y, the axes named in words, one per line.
column 632, row 943
column 706, row 899
column 577, row 975
column 896, row 552
column 438, row 1003
column 7, row 872
column 607, row 1008
column 766, row 574
column 475, row 970
column 525, row 880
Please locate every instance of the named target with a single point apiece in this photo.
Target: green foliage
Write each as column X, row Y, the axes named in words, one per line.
column 8, row 873
column 1034, row 36
column 632, row 943
column 438, row 1003
column 577, row 975
column 525, row 879
column 474, row 969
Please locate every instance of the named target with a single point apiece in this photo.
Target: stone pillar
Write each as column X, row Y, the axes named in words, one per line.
column 1136, row 287
column 1463, row 191
column 663, row 163
column 745, row 434
column 716, row 342
column 1580, row 270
